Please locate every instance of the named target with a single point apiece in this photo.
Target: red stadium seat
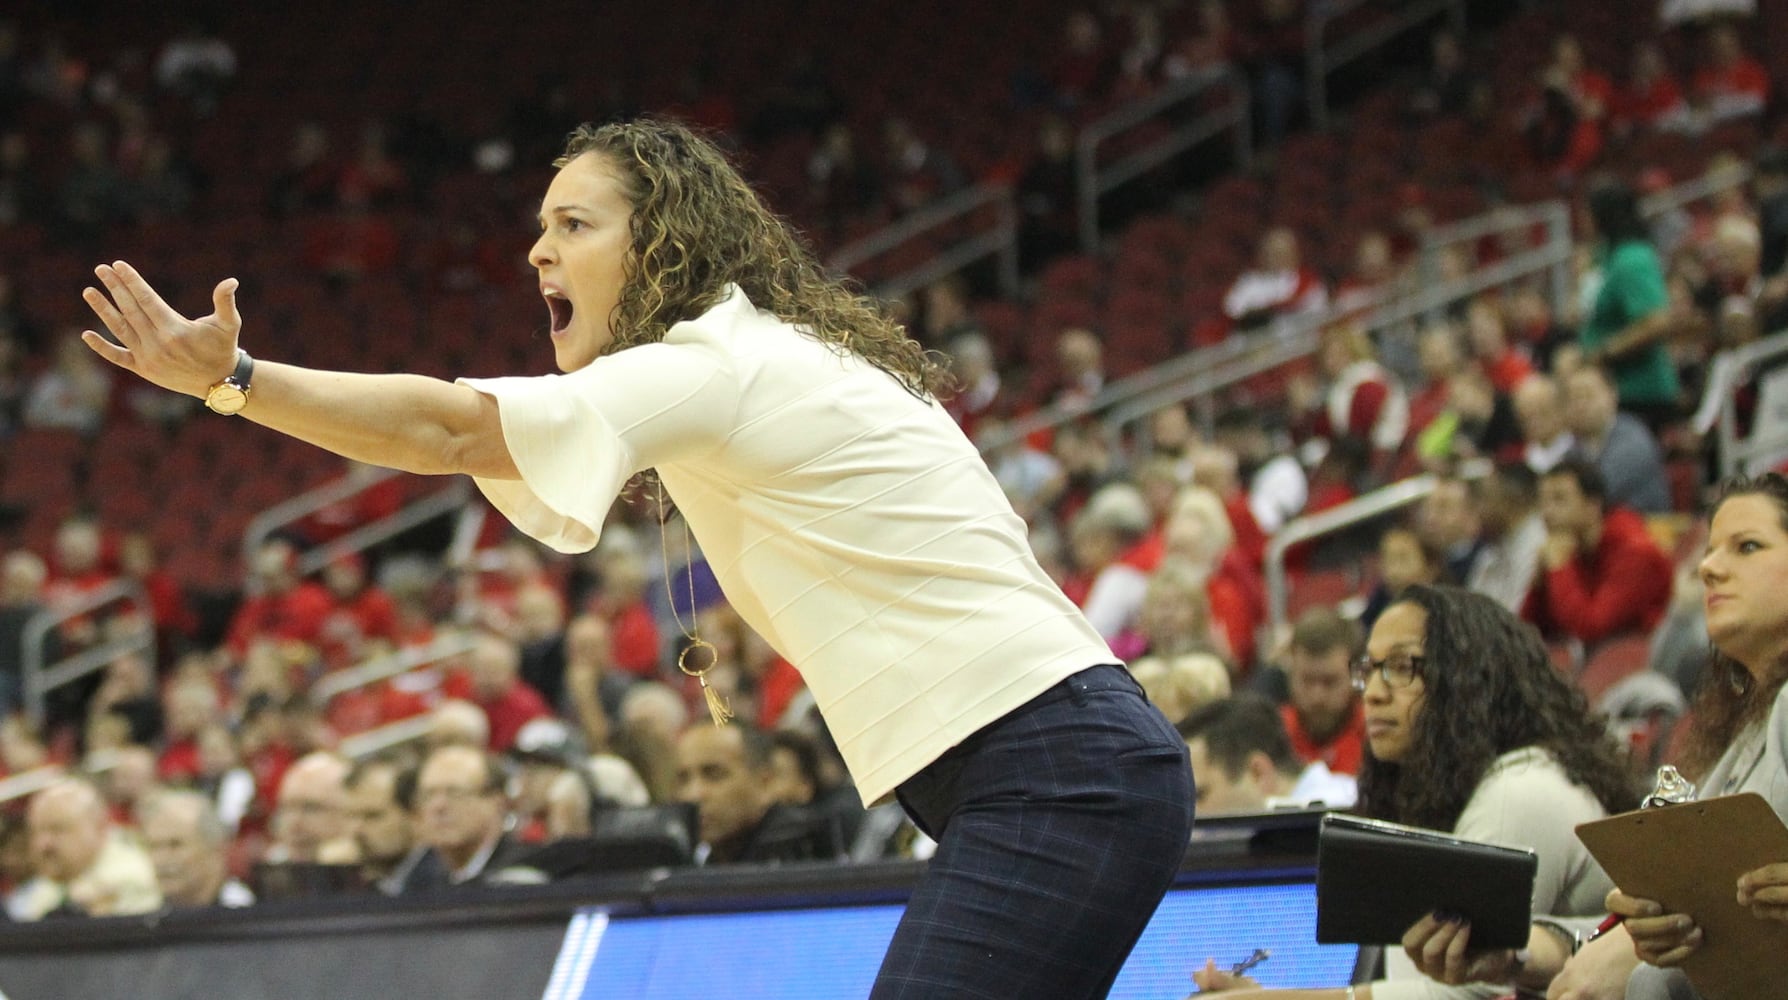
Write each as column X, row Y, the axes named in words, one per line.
column 1612, row 661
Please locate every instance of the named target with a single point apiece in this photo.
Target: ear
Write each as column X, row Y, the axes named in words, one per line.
column 1260, row 770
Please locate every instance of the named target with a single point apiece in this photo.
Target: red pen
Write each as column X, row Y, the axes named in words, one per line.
column 1608, row 923
column 1672, row 789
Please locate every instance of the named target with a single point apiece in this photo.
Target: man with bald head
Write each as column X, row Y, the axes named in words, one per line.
column 457, row 722
column 1539, row 409
column 82, row 864
column 186, row 842
column 494, row 667
column 311, row 807
column 462, row 811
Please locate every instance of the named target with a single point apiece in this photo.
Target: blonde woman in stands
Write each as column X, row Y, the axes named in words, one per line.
column 846, row 516
column 1740, row 742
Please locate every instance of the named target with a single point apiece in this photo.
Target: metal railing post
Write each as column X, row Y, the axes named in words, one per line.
column 38, row 679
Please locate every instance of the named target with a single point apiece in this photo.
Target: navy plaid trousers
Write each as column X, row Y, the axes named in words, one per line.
column 1059, row 829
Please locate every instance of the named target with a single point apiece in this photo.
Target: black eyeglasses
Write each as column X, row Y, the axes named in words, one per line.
column 1397, row 670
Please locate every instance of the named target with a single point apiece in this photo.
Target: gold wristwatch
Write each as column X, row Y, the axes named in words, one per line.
column 230, row 393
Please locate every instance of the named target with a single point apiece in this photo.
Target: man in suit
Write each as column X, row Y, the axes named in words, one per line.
column 728, row 773
column 462, row 809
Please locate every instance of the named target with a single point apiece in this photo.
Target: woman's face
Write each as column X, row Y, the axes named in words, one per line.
column 1745, row 572
column 585, row 236
column 1401, row 561
column 1392, row 707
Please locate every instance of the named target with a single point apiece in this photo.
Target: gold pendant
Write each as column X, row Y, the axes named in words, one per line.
column 717, row 706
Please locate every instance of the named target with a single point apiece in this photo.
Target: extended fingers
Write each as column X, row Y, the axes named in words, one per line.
column 146, row 297
column 125, row 305
column 140, row 306
column 108, row 350
column 108, row 314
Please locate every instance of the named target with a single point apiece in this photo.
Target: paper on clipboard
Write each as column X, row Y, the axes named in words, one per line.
column 1688, row 858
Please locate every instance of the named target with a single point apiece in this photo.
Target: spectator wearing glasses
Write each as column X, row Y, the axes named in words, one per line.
column 1470, row 729
column 462, row 811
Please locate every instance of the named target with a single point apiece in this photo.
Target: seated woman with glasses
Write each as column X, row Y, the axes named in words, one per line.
column 1472, row 730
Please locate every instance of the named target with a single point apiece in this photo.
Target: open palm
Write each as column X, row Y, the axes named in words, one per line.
column 154, row 340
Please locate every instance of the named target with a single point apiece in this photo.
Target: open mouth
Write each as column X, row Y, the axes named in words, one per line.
column 561, row 309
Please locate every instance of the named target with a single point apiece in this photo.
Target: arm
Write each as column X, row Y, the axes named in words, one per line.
column 408, row 422
column 584, row 666
column 1632, row 338
column 1594, row 613
column 1442, row 950
column 1599, row 972
column 1639, row 280
column 400, row 421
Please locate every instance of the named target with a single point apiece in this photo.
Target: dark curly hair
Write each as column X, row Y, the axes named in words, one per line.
column 1728, row 700
column 697, row 226
column 1490, row 688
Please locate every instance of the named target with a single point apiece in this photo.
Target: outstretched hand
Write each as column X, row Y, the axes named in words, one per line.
column 156, row 342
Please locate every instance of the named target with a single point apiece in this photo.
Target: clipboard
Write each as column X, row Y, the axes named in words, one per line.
column 1375, row 879
column 1688, row 858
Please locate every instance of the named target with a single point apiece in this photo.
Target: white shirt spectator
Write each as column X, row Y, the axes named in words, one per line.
column 1504, row 569
column 1278, row 493
column 1318, row 785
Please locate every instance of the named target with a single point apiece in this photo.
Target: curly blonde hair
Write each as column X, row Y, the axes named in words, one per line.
column 697, row 227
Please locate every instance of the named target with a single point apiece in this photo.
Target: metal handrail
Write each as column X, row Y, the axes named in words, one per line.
column 28, row 783
column 295, row 509
column 1554, row 214
column 39, row 680
column 390, row 665
column 1727, row 368
column 1095, row 181
column 1001, row 241
column 291, row 511
column 1118, row 390
column 1374, row 504
column 1694, row 189
column 1321, row 59
column 1345, row 515
column 1302, row 334
column 1221, row 365
column 419, row 511
column 391, row 734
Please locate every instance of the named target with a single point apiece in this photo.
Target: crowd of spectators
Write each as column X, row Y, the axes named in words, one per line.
column 549, row 705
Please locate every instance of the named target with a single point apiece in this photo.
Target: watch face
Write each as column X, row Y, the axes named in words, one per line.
column 226, row 398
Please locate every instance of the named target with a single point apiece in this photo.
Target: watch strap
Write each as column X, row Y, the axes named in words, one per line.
column 244, row 371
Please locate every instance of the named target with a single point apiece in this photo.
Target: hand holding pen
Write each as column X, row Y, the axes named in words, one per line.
column 1211, row 979
column 1672, row 789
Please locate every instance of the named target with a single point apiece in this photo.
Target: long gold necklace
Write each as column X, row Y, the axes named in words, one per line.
column 717, row 706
